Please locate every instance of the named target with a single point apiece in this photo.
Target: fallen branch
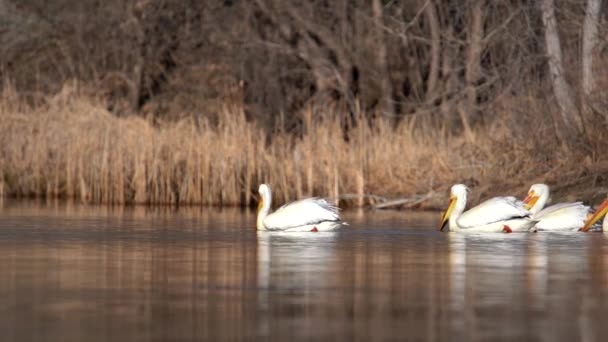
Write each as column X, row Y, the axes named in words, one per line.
column 370, row 197
column 406, row 202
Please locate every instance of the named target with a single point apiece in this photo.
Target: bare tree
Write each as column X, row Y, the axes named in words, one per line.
column 473, row 69
column 386, row 103
column 590, row 41
column 435, row 30
column 446, row 58
column 300, row 32
column 134, row 25
column 561, row 89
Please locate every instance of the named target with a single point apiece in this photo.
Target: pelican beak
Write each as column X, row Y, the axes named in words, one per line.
column 530, row 200
column 601, row 211
column 446, row 214
column 260, row 204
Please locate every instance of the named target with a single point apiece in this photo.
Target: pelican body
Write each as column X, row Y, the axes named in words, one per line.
column 601, row 212
column 558, row 217
column 498, row 214
column 310, row 214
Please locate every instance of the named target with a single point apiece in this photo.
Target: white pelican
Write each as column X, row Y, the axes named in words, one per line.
column 601, row 211
column 307, row 215
column 558, row 217
column 498, row 214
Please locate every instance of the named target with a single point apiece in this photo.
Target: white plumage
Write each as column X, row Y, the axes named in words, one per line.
column 497, row 214
column 492, row 210
column 310, row 214
column 558, row 217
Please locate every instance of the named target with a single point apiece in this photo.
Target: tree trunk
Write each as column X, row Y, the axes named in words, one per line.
column 450, row 81
column 473, row 71
column 561, row 89
column 136, row 80
column 431, row 85
column 386, row 103
column 590, row 40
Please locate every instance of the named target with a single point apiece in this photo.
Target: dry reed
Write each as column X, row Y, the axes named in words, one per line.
column 73, row 148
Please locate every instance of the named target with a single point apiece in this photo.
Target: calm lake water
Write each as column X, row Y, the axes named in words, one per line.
column 88, row 273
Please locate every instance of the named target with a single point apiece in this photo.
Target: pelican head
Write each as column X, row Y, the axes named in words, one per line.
column 263, row 204
column 601, row 212
column 458, row 199
column 537, row 198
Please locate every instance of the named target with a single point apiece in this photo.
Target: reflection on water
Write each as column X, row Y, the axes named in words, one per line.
column 74, row 273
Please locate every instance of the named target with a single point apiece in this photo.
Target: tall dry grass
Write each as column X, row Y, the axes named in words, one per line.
column 72, row 147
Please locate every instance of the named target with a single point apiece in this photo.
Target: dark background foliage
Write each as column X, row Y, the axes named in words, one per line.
column 444, row 60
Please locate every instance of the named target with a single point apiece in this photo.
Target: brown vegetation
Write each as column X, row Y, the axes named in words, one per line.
column 74, row 147
column 172, row 101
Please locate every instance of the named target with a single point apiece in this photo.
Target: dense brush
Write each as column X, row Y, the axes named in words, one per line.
column 72, row 147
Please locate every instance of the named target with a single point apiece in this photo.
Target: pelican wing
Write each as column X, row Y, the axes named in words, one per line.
column 308, row 211
column 562, row 216
column 563, row 209
column 493, row 210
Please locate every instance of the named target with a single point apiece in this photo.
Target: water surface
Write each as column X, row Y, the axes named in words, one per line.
column 91, row 273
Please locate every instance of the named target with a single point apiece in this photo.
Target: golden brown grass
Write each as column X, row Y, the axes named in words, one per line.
column 72, row 147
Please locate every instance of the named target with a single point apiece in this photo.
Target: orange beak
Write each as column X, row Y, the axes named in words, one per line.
column 601, row 212
column 529, row 197
column 446, row 214
column 530, row 200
